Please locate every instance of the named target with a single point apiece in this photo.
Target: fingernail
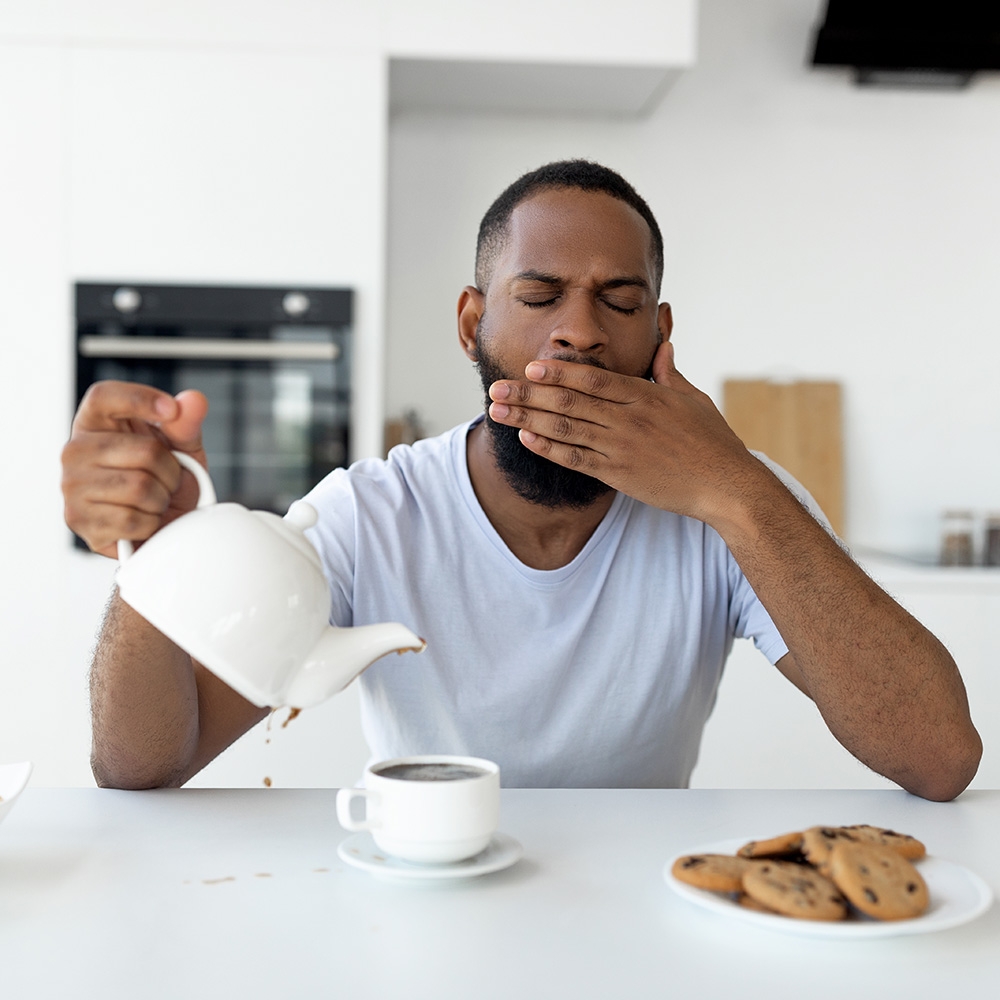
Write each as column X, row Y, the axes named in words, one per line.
column 498, row 411
column 535, row 370
column 499, row 390
column 165, row 407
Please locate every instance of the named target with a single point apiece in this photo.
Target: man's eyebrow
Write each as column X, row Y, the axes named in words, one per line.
column 626, row 281
column 545, row 279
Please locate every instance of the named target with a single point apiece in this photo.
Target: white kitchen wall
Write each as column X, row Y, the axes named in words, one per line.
column 812, row 229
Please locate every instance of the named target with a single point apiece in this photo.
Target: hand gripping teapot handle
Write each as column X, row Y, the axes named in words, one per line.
column 206, row 495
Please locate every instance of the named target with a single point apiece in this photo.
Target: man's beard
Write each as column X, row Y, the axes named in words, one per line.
column 531, row 476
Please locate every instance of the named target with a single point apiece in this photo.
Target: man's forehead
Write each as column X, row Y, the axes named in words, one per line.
column 569, row 228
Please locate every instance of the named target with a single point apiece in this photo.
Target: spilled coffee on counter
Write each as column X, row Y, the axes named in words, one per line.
column 431, row 771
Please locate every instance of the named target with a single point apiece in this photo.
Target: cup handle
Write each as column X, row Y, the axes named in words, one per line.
column 344, row 799
column 206, row 495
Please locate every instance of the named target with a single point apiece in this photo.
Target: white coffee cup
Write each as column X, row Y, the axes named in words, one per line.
column 429, row 809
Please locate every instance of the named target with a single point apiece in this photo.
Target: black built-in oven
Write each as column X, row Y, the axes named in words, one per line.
column 274, row 363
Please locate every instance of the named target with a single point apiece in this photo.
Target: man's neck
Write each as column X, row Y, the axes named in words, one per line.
column 541, row 537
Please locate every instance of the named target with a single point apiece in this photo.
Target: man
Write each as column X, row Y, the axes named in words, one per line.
column 579, row 560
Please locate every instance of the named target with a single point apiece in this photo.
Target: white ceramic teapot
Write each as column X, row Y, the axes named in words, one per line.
column 243, row 592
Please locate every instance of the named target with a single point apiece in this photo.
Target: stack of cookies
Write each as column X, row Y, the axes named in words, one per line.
column 823, row 873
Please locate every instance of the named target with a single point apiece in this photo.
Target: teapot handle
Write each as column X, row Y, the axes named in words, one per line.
column 206, row 495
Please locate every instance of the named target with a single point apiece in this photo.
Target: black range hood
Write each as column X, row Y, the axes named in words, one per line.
column 918, row 43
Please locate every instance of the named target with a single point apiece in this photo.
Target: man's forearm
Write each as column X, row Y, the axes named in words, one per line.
column 888, row 689
column 144, row 704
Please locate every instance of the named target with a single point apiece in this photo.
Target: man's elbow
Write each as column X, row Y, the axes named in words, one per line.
column 115, row 772
column 951, row 773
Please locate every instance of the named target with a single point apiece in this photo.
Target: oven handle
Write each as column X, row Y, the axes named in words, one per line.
column 195, row 348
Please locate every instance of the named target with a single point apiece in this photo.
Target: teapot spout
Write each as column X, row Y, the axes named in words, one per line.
column 342, row 654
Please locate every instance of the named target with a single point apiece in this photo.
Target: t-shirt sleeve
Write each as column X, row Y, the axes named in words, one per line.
column 749, row 619
column 333, row 537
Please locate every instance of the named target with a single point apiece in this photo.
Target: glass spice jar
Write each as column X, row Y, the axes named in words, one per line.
column 956, row 538
column 991, row 548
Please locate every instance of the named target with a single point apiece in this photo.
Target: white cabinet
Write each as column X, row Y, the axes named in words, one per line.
column 584, row 57
column 572, row 56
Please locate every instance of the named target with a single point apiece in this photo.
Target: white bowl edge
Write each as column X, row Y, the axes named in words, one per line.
column 13, row 778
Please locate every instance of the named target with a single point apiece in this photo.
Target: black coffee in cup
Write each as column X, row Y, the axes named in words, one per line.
column 430, row 771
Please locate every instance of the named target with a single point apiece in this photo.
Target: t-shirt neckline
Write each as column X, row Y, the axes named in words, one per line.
column 543, row 577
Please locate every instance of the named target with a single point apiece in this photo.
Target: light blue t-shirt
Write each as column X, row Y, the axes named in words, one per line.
column 599, row 674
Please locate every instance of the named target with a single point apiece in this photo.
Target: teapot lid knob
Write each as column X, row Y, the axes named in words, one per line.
column 301, row 515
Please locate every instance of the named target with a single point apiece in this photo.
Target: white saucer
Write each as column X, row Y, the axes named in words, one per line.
column 360, row 851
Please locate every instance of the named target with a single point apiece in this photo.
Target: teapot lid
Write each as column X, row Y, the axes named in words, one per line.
column 301, row 515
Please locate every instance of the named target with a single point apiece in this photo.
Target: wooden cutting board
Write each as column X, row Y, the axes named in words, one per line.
column 800, row 426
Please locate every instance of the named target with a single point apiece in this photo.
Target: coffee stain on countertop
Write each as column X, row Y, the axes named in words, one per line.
column 232, row 878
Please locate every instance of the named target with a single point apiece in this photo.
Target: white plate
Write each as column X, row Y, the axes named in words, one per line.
column 957, row 896
column 13, row 778
column 360, row 851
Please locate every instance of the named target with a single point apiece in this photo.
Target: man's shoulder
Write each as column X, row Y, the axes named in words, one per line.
column 430, row 448
column 430, row 456
column 428, row 463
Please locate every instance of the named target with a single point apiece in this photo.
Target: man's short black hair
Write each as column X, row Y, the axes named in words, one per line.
column 582, row 174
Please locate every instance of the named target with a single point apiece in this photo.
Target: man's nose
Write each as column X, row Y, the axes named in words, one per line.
column 578, row 329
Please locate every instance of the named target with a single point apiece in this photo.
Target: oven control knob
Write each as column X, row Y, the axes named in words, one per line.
column 296, row 304
column 126, row 300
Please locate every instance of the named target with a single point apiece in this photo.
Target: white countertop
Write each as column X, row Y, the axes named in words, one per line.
column 239, row 893
column 899, row 571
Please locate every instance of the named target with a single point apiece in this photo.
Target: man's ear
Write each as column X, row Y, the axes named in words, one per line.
column 664, row 321
column 470, row 310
